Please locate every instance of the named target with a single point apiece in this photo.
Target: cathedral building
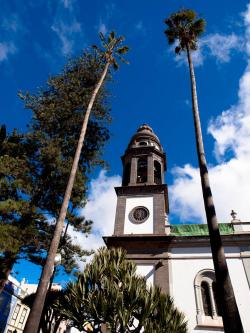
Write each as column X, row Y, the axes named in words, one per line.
column 175, row 257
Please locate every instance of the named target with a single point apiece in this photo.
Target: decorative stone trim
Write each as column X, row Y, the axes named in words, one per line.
column 203, row 320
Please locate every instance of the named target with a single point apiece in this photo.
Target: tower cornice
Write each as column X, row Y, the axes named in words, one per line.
column 144, row 189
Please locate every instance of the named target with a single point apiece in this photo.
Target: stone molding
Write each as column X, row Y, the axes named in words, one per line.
column 164, row 241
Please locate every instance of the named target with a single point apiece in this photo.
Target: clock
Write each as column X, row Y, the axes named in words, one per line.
column 138, row 215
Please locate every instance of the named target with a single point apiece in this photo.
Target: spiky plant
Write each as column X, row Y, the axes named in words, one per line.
column 110, row 294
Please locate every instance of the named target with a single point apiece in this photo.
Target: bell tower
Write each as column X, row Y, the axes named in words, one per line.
column 142, row 200
column 141, row 221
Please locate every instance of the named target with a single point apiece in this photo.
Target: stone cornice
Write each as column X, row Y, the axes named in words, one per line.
column 144, row 190
column 141, row 189
column 160, row 241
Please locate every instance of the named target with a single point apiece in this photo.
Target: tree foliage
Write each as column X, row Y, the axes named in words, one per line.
column 35, row 165
column 110, row 293
column 184, row 28
column 112, row 49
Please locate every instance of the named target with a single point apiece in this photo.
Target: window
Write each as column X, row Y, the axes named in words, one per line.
column 16, row 311
column 22, row 317
column 142, row 170
column 126, row 175
column 15, row 314
column 143, row 143
column 207, row 307
column 157, row 172
column 206, row 300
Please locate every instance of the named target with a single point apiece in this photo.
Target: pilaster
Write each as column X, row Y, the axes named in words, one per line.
column 133, row 174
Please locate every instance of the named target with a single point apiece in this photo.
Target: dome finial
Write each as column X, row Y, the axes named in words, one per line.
column 144, row 127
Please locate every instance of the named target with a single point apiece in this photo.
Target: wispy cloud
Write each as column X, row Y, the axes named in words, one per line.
column 6, row 49
column 11, row 23
column 230, row 177
column 140, row 27
column 10, row 30
column 68, row 4
column 218, row 46
column 65, row 33
column 110, row 9
column 102, row 27
column 222, row 46
column 67, row 28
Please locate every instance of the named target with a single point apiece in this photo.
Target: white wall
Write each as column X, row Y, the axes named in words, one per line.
column 143, row 228
column 186, row 263
column 146, row 271
column 241, row 290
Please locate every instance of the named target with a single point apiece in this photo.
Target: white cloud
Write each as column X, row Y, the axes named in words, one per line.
column 6, row 49
column 65, row 33
column 100, row 208
column 139, row 26
column 102, row 28
column 218, row 46
column 222, row 46
column 11, row 23
column 67, row 4
column 231, row 177
column 67, row 28
column 11, row 30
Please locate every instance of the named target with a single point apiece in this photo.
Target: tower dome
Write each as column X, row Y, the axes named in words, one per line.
column 145, row 136
column 144, row 161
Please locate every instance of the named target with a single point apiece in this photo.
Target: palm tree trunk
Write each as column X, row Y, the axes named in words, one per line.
column 36, row 311
column 230, row 313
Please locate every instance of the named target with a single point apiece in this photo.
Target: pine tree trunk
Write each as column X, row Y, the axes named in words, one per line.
column 6, row 265
column 36, row 310
column 4, row 279
column 230, row 313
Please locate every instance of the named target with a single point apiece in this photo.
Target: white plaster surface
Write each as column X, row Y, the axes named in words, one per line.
column 143, row 228
column 245, row 226
column 186, row 263
column 241, row 290
column 199, row 252
column 146, row 271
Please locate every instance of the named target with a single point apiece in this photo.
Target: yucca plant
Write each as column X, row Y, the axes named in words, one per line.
column 110, row 294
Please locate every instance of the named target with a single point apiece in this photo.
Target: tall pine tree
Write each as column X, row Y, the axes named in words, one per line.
column 35, row 165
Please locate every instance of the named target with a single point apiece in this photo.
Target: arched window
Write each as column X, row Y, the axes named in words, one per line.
column 207, row 305
column 157, row 172
column 143, row 143
column 126, row 174
column 142, row 170
column 206, row 299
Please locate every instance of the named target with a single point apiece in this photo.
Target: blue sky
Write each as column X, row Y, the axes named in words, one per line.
column 37, row 38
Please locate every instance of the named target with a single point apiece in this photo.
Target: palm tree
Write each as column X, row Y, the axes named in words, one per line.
column 112, row 48
column 110, row 297
column 184, row 28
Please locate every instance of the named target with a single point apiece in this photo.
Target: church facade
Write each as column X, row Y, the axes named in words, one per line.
column 175, row 257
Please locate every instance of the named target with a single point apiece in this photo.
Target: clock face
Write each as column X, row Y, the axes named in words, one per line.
column 139, row 215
